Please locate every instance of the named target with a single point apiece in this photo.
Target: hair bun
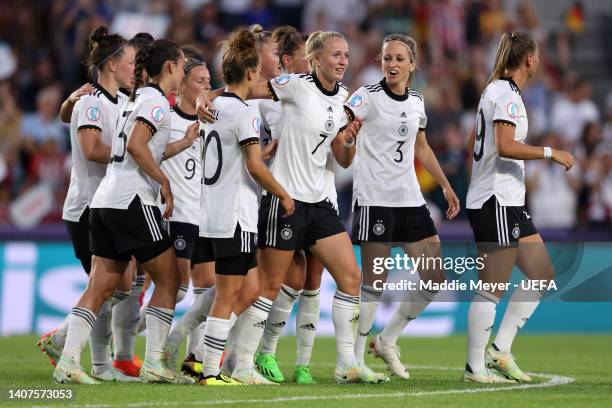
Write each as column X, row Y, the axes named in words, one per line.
column 98, row 34
column 256, row 29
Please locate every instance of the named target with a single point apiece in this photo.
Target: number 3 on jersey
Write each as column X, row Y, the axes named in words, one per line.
column 480, row 136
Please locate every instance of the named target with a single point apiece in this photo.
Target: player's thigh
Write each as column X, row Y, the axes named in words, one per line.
column 203, row 275
column 227, row 291
column 429, row 249
column 314, row 272
column 163, row 269
column 336, row 253
column 105, row 276
column 498, row 263
column 373, row 256
column 533, row 258
column 296, row 274
column 273, row 266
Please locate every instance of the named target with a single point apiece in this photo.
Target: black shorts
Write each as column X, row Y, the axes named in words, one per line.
column 203, row 251
column 232, row 256
column 391, row 224
column 183, row 237
column 79, row 235
column 502, row 225
column 309, row 223
column 120, row 234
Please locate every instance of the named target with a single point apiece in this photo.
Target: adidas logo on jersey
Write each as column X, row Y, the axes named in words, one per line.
column 330, row 109
column 308, row 326
column 403, row 115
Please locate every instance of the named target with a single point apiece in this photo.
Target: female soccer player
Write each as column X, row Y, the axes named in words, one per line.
column 185, row 174
column 125, row 220
column 303, row 280
column 228, row 220
column 502, row 227
column 389, row 207
column 312, row 116
column 93, row 119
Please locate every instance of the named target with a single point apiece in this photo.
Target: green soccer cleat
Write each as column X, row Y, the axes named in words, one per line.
column 302, row 375
column 268, row 367
column 505, row 364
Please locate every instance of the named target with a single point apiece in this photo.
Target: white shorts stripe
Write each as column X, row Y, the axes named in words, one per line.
column 269, row 225
column 507, row 237
column 150, row 224
column 367, row 224
column 155, row 224
column 274, row 220
column 497, row 221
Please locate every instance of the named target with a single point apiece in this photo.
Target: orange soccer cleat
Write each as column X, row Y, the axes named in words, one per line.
column 129, row 367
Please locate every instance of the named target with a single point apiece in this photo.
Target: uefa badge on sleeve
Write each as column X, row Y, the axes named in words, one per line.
column 282, row 80
column 158, row 113
column 93, row 113
column 512, row 109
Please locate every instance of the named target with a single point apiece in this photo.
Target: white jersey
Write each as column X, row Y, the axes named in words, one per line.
column 384, row 173
column 229, row 194
column 124, row 179
column 500, row 102
column 97, row 111
column 311, row 117
column 184, row 171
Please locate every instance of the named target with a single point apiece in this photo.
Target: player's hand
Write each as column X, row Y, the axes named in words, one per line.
column 351, row 131
column 83, row 90
column 192, row 133
column 563, row 158
column 204, row 108
column 167, row 198
column 269, row 151
column 289, row 206
column 453, row 203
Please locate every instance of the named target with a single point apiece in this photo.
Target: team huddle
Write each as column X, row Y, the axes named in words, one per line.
column 233, row 191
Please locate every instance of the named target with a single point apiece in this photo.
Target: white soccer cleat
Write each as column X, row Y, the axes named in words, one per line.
column 250, row 376
column 484, row 377
column 390, row 354
column 373, row 375
column 505, row 364
column 112, row 374
column 155, row 372
column 357, row 374
column 66, row 374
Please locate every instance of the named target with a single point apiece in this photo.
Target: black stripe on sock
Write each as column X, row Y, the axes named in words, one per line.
column 290, row 295
column 255, row 305
column 163, row 318
column 170, row 315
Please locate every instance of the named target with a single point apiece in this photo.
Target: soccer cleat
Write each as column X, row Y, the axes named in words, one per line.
column 268, row 367
column 302, row 375
column 250, row 376
column 66, row 374
column 155, row 372
column 190, row 366
column 356, row 374
column 484, row 377
column 377, row 377
column 219, row 379
column 504, row 364
column 390, row 354
column 49, row 347
column 114, row 374
column 128, row 367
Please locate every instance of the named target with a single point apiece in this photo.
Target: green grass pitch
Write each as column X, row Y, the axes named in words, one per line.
column 576, row 370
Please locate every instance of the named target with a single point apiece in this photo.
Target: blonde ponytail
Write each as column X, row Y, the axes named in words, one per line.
column 511, row 51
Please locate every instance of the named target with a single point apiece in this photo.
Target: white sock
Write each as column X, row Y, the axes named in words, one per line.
column 521, row 306
column 62, row 331
column 249, row 329
column 367, row 313
column 345, row 315
column 481, row 317
column 306, row 323
column 142, row 318
column 229, row 363
column 279, row 314
column 196, row 350
column 125, row 320
column 159, row 321
column 119, row 296
column 99, row 339
column 194, row 336
column 214, row 339
column 405, row 313
column 191, row 319
column 80, row 323
column 182, row 292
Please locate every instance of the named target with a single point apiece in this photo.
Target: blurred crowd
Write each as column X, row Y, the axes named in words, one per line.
column 43, row 44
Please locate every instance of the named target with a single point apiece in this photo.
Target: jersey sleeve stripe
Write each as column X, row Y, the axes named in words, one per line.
column 89, row 127
column 147, row 123
column 272, row 92
column 503, row 122
column 249, row 141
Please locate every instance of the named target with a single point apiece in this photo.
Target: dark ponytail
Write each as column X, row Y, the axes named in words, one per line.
column 102, row 48
column 151, row 58
column 288, row 40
